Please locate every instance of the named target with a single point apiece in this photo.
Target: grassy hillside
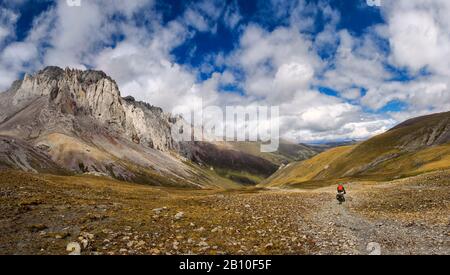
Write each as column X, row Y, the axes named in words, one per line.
column 398, row 152
column 287, row 151
column 243, row 162
column 416, row 146
column 307, row 170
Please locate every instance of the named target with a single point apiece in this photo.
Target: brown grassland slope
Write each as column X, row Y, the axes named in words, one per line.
column 42, row 214
column 308, row 169
column 413, row 147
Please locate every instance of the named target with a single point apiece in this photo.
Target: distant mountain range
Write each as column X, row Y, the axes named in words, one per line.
column 73, row 121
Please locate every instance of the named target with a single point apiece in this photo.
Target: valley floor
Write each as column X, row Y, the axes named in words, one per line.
column 41, row 214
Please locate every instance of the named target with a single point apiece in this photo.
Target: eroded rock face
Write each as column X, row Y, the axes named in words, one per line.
column 74, row 92
column 149, row 125
column 92, row 93
column 17, row 154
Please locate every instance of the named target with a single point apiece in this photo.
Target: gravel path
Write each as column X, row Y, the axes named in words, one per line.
column 341, row 229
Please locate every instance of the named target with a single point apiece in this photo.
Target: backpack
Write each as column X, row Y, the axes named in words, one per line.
column 340, row 188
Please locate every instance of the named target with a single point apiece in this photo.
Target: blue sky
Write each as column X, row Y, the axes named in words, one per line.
column 337, row 69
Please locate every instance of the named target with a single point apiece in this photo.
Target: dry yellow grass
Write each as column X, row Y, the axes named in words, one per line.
column 331, row 165
column 41, row 214
column 46, row 212
column 430, row 159
column 66, row 147
column 307, row 170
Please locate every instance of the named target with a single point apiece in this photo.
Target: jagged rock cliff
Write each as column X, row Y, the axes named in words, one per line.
column 90, row 94
column 79, row 120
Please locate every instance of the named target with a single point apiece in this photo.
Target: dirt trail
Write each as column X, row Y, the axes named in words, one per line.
column 356, row 231
column 353, row 233
column 335, row 229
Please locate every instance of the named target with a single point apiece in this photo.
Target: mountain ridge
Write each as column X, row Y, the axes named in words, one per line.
column 86, row 126
column 415, row 146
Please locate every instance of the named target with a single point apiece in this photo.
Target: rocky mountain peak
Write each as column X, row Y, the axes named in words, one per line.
column 51, row 72
column 86, row 77
column 53, row 81
column 93, row 95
